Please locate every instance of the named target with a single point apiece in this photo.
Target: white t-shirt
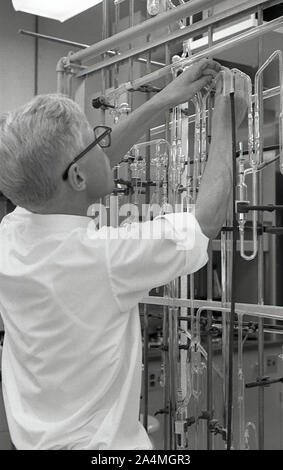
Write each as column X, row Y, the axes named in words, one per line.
column 71, row 363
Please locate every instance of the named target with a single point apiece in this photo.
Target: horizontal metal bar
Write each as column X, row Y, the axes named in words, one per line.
column 265, row 311
column 244, row 207
column 208, row 52
column 185, row 33
column 264, row 382
column 53, row 39
column 79, row 45
column 146, row 27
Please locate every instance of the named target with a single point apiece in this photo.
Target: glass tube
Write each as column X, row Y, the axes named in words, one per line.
column 257, row 99
column 250, row 436
column 135, row 176
column 239, row 75
column 203, row 158
column 153, row 7
column 242, row 196
column 197, row 145
column 241, row 385
column 226, row 270
column 179, row 147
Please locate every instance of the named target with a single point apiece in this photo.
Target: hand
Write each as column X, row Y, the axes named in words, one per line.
column 188, row 83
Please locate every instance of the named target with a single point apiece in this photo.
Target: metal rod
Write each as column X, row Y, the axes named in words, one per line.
column 53, row 39
column 233, row 282
column 36, row 58
column 260, row 261
column 255, row 310
column 69, row 79
column 185, row 33
column 82, row 46
column 116, row 25
column 211, row 51
column 246, row 207
column 105, row 29
column 148, row 137
column 131, row 62
column 209, row 396
column 144, row 28
column 145, row 369
column 264, row 382
column 164, row 371
column 104, row 36
column 167, row 417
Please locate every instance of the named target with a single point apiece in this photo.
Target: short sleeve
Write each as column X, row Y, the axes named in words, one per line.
column 150, row 254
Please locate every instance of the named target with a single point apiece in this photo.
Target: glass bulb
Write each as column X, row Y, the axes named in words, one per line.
column 153, row 7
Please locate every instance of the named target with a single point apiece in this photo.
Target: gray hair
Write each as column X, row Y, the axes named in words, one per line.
column 37, row 141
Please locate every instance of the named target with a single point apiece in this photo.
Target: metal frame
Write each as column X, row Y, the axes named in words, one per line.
column 73, row 67
column 190, row 31
column 144, row 28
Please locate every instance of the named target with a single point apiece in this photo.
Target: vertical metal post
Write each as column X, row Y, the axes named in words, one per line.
column 167, row 416
column 209, row 398
column 147, row 189
column 167, row 117
column 209, row 385
column 147, row 201
column 173, row 340
column 165, row 377
column 36, row 45
column 233, row 282
column 116, row 30
column 173, row 347
column 131, row 60
column 260, row 265
column 69, row 80
column 145, row 367
column 105, row 32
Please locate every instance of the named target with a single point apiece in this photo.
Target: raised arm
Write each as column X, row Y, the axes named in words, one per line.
column 127, row 132
column 216, row 185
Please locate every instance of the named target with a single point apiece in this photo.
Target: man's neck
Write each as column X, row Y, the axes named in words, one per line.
column 67, row 207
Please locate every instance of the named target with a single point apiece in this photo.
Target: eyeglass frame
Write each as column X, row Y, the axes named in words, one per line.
column 108, row 131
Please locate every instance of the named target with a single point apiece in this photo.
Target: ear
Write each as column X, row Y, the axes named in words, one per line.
column 76, row 178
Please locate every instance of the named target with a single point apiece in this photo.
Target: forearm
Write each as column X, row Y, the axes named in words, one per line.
column 216, row 185
column 127, row 132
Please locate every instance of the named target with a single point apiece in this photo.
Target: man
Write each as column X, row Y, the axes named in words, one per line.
column 69, row 296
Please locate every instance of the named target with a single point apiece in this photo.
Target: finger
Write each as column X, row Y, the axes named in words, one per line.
column 202, row 65
column 199, row 84
column 211, row 64
column 211, row 72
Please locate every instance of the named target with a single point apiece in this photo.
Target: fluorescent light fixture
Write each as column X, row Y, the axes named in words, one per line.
column 60, row 10
column 224, row 33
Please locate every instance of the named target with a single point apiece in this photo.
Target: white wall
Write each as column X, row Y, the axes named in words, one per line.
column 17, row 52
column 16, row 58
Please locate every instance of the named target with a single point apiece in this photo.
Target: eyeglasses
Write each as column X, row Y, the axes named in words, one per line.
column 102, row 137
